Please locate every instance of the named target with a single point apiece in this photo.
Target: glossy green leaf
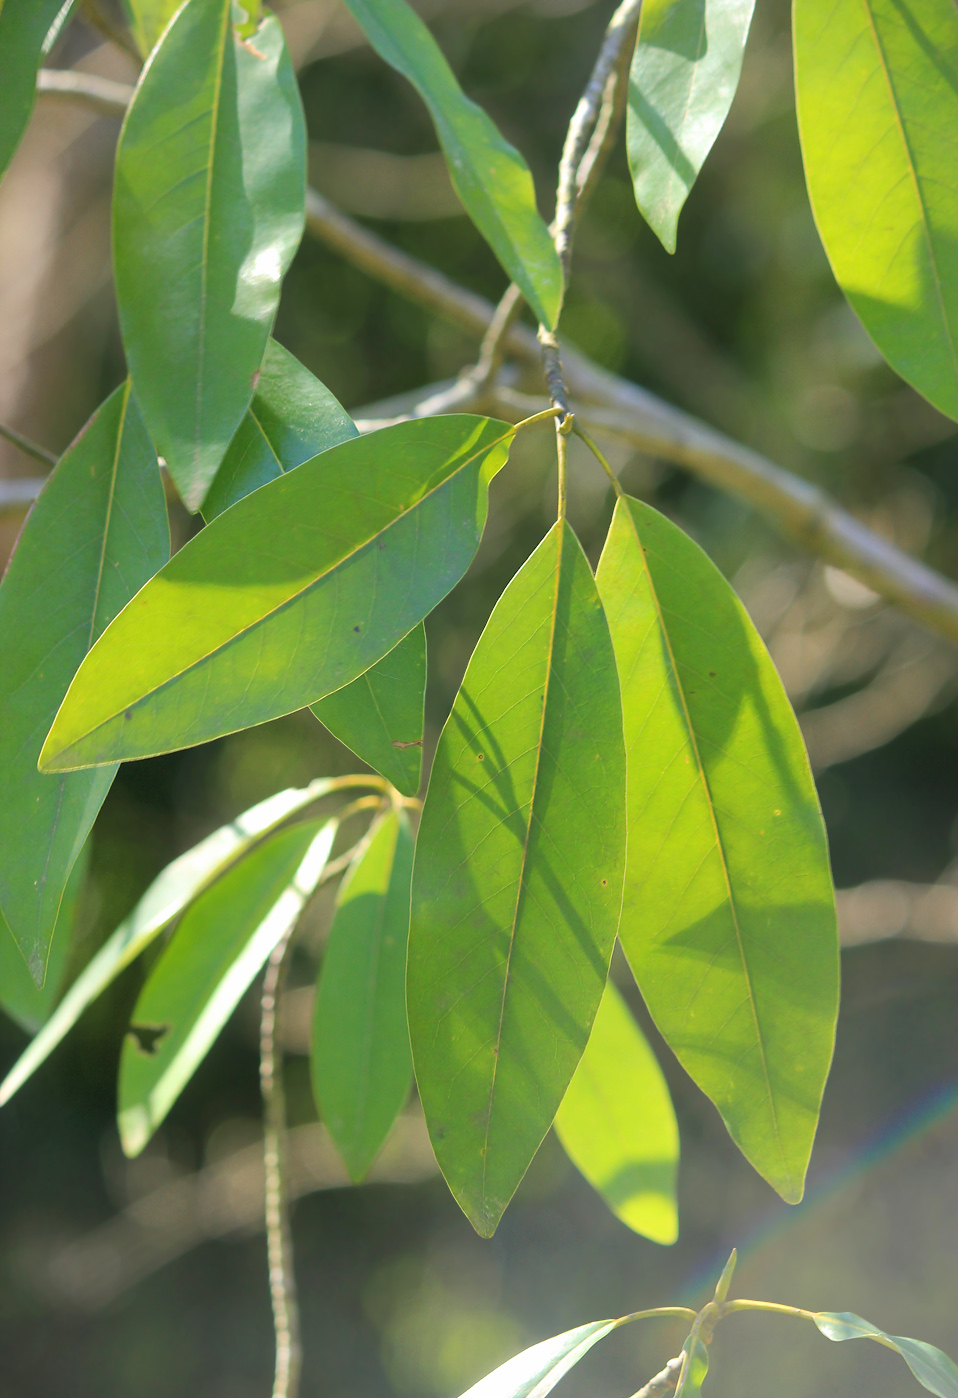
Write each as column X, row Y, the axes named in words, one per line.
column 28, row 30
column 696, row 1369
column 877, row 89
column 729, row 914
column 170, row 892
column 290, row 594
column 361, row 1065
column 20, row 996
column 96, row 533
column 381, row 714
column 292, row 418
column 617, row 1123
column 148, row 19
column 518, row 878
column 208, row 211
column 223, row 940
column 536, row 1371
column 933, row 1369
column 685, row 72
column 489, row 175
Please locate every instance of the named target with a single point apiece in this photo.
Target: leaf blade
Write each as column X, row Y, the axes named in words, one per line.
column 931, row 1367
column 536, row 1371
column 540, row 828
column 729, row 921
column 21, row 998
column 28, row 29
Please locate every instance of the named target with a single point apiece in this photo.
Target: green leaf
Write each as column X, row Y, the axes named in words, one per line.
column 729, row 915
column 208, row 211
column 695, row 1370
column 292, row 418
column 489, row 175
column 617, row 1124
column 28, row 31
column 170, row 892
column 19, row 995
column 96, row 533
column 685, row 72
column 877, row 89
column 223, row 940
column 381, row 714
column 518, row 878
column 361, row 1065
column 148, row 19
column 933, row 1369
column 536, row 1371
column 287, row 596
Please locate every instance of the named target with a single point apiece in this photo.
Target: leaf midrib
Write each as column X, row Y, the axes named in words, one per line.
column 207, row 218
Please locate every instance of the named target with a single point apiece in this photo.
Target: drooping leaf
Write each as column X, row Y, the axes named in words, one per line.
column 518, row 878
column 28, row 31
column 380, row 715
column 877, row 90
column 148, row 20
column 930, row 1366
column 224, row 938
column 685, row 72
column 696, row 1369
column 292, row 418
column 729, row 914
column 290, row 594
column 617, row 1123
column 170, row 892
column 489, row 175
column 361, row 1065
column 97, row 532
column 20, row 996
column 536, row 1371
column 208, row 211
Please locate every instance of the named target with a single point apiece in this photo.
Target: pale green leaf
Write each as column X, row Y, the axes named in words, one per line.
column 28, row 30
column 170, row 892
column 361, row 1066
column 223, row 940
column 695, row 1369
column 208, row 210
column 685, row 72
column 932, row 1368
column 518, row 878
column 489, row 175
column 729, row 914
column 289, row 595
column 536, row 1371
column 96, row 533
column 148, row 19
column 617, row 1124
column 20, row 996
column 877, row 90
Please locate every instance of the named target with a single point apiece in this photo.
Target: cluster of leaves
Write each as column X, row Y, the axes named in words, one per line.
column 621, row 760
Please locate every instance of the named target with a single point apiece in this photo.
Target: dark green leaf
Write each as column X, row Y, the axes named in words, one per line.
column 877, row 88
column 489, row 175
column 28, row 30
column 208, row 210
column 729, row 914
column 685, row 72
column 536, row 1371
column 290, row 594
column 362, row 1069
column 149, row 19
column 170, row 892
column 518, row 879
column 617, row 1124
column 380, row 715
column 221, row 943
column 19, row 995
column 96, row 533
column 933, row 1369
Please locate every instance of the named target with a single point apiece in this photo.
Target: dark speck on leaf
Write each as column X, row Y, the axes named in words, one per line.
column 355, row 628
column 128, row 713
column 480, row 757
column 711, row 674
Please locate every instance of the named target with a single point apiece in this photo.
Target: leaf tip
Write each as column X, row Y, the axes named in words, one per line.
column 134, row 1126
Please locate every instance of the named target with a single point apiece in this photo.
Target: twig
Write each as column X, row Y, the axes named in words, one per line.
column 282, row 1279
column 103, row 94
column 105, row 26
column 28, row 447
column 611, row 113
column 664, row 1381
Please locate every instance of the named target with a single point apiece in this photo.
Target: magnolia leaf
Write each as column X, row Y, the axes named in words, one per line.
column 20, row 996
column 28, row 31
column 617, row 1124
column 685, row 72
column 877, row 91
column 208, row 210
column 239, row 628
column 518, row 878
column 729, row 915
column 695, row 1369
column 361, row 1066
column 148, row 19
column 932, row 1368
column 489, row 175
column 536, row 1371
column 223, row 940
column 97, row 532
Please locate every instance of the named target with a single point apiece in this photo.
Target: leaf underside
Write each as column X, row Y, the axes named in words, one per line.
column 536, row 1371
column 931, row 1367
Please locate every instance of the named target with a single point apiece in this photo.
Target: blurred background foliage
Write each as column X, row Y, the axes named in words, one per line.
column 149, row 1277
